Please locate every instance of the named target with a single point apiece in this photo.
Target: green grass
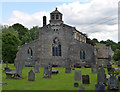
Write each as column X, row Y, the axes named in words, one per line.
column 100, row 45
column 61, row 81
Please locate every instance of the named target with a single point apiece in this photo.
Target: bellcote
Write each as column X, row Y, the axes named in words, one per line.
column 55, row 17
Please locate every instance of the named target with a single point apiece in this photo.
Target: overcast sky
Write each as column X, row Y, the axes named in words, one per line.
column 97, row 18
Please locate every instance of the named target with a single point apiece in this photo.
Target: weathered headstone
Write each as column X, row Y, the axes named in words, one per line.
column 113, row 81
column 81, row 88
column 19, row 67
column 68, row 67
column 100, row 87
column 77, row 75
column 47, row 71
column 31, row 75
column 85, row 79
column 68, row 70
column 101, row 76
column 76, row 84
column 94, row 69
column 36, row 67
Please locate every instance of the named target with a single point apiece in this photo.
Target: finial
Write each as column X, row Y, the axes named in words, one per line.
column 56, row 9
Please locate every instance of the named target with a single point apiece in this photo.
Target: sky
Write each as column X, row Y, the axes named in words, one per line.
column 97, row 18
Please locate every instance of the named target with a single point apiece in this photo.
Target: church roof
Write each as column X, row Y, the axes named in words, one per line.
column 56, row 11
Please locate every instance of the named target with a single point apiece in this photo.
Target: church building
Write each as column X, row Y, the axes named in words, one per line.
column 58, row 44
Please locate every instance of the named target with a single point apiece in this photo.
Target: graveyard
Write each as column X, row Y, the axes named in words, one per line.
column 60, row 81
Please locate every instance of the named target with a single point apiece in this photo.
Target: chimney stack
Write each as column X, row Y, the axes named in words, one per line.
column 44, row 20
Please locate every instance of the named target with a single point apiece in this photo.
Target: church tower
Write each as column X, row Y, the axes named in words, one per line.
column 56, row 18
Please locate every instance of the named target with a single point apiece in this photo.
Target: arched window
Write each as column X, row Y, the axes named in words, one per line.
column 56, row 47
column 52, row 16
column 30, row 53
column 82, row 54
column 57, row 17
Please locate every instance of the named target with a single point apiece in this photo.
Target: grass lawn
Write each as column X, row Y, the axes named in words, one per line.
column 61, row 81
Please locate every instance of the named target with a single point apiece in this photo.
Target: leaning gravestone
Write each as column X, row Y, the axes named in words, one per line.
column 81, row 88
column 85, row 79
column 19, row 67
column 100, row 87
column 31, row 75
column 94, row 69
column 113, row 81
column 36, row 67
column 77, row 75
column 101, row 76
column 47, row 71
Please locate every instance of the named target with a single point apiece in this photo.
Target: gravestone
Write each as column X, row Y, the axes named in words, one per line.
column 101, row 76
column 85, row 79
column 94, row 69
column 81, row 88
column 31, row 75
column 77, row 75
column 76, row 84
column 100, row 87
column 19, row 66
column 113, row 81
column 68, row 66
column 68, row 70
column 36, row 67
column 119, row 77
column 47, row 71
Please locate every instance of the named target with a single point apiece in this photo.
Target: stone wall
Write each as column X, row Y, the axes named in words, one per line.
column 42, row 48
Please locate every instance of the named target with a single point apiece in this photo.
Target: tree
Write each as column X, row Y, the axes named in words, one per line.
column 31, row 35
column 94, row 40
column 9, row 29
column 116, row 55
column 103, row 42
column 111, row 43
column 21, row 31
column 10, row 43
column 34, row 33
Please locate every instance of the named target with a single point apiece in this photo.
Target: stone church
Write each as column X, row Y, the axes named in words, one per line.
column 58, row 44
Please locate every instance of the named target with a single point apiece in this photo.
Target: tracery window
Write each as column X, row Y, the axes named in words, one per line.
column 56, row 47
